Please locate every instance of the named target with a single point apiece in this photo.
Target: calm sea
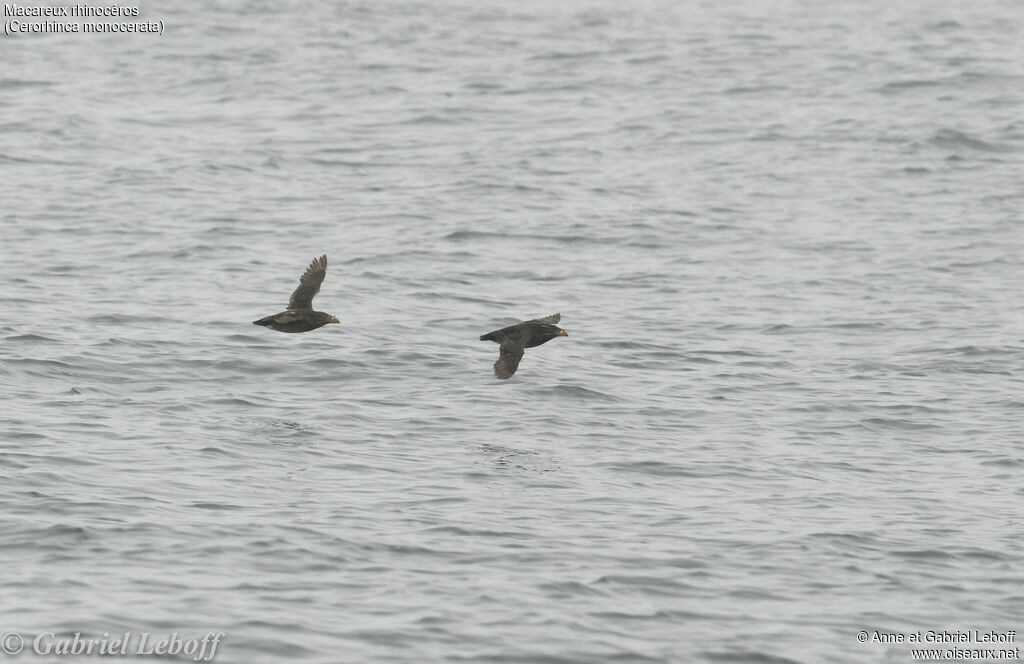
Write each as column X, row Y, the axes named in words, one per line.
column 784, row 237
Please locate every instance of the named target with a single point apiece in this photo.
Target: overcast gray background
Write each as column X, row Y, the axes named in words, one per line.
column 784, row 238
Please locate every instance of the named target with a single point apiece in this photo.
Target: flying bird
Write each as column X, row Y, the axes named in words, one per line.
column 300, row 317
column 514, row 339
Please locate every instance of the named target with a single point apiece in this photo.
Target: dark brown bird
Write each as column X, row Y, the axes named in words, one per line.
column 300, row 316
column 514, row 339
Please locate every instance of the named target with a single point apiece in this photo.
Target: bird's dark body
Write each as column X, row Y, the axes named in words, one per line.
column 526, row 335
column 300, row 317
column 295, row 321
column 516, row 338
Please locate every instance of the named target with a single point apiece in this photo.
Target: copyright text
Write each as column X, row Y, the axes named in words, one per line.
column 202, row 649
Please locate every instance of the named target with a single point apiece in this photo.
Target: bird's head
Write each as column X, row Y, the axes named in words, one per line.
column 326, row 318
column 552, row 331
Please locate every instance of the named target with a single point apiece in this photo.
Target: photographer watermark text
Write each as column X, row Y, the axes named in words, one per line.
column 202, row 649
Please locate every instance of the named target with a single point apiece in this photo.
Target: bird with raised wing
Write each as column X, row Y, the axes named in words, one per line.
column 300, row 317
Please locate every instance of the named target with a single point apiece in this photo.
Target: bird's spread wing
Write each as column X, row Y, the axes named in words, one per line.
column 309, row 284
column 553, row 318
column 508, row 362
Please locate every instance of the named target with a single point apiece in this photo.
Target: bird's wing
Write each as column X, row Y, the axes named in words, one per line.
column 309, row 284
column 553, row 318
column 508, row 362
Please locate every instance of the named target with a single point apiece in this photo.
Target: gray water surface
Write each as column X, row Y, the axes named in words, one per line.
column 784, row 238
